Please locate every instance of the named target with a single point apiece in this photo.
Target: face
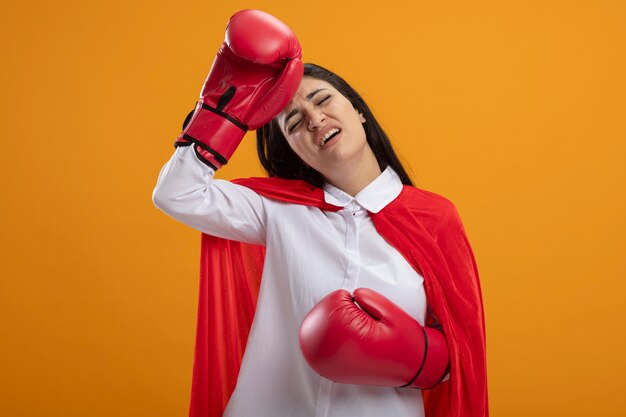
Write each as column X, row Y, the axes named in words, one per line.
column 323, row 128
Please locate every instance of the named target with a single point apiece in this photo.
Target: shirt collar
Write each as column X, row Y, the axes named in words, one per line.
column 373, row 198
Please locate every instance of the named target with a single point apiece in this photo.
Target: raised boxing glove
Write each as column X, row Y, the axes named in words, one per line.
column 256, row 72
column 367, row 339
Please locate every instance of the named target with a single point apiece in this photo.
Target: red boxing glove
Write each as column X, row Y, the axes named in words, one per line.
column 256, row 72
column 372, row 343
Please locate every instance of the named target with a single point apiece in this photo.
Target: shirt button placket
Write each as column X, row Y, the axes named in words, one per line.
column 352, row 245
column 349, row 214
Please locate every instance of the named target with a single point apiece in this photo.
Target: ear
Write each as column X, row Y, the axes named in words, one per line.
column 362, row 118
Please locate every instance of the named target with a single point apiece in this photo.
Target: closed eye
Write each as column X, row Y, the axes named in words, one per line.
column 323, row 100
column 293, row 127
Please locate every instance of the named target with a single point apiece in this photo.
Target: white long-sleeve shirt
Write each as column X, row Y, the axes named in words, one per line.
column 309, row 253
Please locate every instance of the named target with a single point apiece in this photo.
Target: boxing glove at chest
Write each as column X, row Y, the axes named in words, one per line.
column 367, row 339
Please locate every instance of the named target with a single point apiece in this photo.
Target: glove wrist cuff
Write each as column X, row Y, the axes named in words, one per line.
column 436, row 361
column 213, row 131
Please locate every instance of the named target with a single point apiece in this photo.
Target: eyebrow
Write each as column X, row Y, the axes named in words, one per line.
column 295, row 111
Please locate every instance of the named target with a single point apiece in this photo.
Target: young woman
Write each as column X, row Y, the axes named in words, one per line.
column 368, row 290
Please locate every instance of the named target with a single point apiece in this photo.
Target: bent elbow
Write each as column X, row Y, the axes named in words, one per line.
column 162, row 200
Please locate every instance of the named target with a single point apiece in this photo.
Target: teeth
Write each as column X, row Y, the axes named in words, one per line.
column 328, row 135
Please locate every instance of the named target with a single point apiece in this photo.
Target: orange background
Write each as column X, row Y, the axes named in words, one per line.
column 515, row 110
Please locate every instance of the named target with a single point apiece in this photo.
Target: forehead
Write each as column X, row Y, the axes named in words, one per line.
column 310, row 83
column 307, row 86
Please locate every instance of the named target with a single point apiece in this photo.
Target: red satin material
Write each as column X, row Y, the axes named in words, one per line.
column 436, row 246
column 288, row 191
column 230, row 275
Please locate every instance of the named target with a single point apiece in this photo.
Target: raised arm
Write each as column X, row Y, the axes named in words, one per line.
column 254, row 75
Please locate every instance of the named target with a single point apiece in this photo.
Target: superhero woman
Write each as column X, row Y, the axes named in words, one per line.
column 334, row 287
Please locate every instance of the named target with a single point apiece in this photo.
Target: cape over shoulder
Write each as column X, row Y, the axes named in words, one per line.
column 429, row 208
column 426, row 204
column 424, row 226
column 289, row 191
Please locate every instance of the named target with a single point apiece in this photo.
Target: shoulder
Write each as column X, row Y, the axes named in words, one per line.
column 433, row 211
column 419, row 196
column 421, row 200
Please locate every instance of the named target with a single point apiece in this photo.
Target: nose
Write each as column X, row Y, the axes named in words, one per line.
column 316, row 119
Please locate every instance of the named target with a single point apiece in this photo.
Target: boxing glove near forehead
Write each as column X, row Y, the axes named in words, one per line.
column 256, row 72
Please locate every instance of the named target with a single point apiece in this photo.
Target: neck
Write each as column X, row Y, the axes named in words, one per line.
column 352, row 178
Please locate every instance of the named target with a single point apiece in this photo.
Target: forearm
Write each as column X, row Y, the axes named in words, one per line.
column 187, row 191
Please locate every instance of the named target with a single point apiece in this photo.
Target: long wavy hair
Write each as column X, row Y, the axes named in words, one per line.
column 279, row 160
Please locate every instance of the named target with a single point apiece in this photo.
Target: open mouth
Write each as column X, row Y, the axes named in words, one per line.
column 329, row 135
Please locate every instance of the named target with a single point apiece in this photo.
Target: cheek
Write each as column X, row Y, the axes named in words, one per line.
column 297, row 146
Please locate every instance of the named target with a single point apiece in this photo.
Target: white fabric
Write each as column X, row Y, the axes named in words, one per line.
column 309, row 253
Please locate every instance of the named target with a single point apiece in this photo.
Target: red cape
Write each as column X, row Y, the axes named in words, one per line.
column 424, row 227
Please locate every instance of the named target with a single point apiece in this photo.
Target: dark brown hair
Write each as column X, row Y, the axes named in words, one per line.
column 279, row 160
